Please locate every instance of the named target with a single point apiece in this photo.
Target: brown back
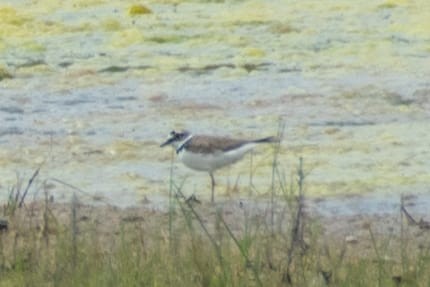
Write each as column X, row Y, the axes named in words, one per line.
column 210, row 144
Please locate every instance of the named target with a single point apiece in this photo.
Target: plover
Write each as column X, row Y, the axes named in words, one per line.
column 209, row 153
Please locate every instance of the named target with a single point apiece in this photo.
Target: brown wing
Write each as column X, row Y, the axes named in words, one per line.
column 209, row 144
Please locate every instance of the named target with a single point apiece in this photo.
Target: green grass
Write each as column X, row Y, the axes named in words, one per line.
column 51, row 244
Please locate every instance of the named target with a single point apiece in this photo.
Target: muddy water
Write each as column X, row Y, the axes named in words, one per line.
column 90, row 88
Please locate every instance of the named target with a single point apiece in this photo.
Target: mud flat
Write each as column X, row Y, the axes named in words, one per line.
column 88, row 91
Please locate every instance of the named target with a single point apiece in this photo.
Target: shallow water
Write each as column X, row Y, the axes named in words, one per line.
column 94, row 90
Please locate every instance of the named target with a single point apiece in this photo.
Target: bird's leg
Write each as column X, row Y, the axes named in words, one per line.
column 213, row 186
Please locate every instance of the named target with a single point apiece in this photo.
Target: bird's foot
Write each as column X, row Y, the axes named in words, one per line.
column 192, row 199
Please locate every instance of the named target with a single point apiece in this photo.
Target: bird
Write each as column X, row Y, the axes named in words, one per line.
column 209, row 153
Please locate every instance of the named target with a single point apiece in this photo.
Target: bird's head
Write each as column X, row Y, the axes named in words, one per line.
column 176, row 138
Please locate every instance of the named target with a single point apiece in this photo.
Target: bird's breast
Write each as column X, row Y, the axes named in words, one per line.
column 212, row 161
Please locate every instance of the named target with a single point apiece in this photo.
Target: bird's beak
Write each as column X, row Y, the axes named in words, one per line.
column 166, row 142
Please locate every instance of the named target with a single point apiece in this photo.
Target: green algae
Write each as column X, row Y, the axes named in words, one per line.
column 5, row 74
column 136, row 10
column 127, row 37
column 200, row 25
column 111, row 24
column 166, row 39
column 11, row 17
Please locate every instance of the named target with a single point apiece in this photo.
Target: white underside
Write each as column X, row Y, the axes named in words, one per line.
column 213, row 161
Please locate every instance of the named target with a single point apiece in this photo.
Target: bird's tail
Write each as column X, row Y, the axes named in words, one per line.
column 267, row 140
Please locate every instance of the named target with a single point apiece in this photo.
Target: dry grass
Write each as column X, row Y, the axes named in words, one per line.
column 231, row 244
